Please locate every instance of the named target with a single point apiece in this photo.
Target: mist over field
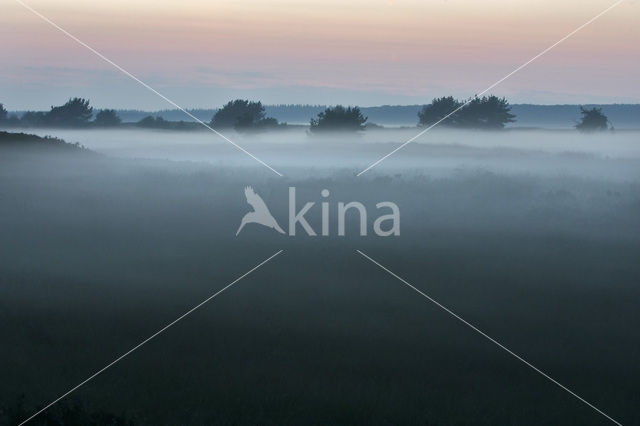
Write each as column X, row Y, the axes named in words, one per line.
column 610, row 155
column 241, row 213
column 533, row 236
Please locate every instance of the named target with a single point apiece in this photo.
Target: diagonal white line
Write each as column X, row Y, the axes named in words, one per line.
column 128, row 74
column 372, row 165
column 150, row 337
column 491, row 339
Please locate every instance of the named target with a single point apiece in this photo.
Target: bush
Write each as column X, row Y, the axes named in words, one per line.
column 339, row 118
column 76, row 112
column 592, row 120
column 487, row 112
column 107, row 118
column 437, row 110
column 243, row 115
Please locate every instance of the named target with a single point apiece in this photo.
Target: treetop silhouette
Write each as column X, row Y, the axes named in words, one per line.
column 76, row 112
column 487, row 112
column 106, row 118
column 339, row 118
column 592, row 120
column 243, row 115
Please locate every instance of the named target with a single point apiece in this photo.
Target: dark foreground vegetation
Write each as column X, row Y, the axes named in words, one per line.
column 64, row 413
column 96, row 254
column 24, row 143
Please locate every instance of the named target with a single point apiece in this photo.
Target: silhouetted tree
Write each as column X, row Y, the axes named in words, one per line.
column 488, row 112
column 243, row 115
column 76, row 112
column 264, row 124
column 33, row 119
column 339, row 118
column 592, row 120
column 7, row 120
column 437, row 110
column 106, row 118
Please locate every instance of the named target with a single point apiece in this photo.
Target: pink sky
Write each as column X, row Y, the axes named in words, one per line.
column 371, row 52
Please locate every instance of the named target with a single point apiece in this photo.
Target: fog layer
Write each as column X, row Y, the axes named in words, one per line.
column 533, row 237
column 296, row 152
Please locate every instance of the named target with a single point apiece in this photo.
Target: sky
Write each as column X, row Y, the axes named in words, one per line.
column 361, row 52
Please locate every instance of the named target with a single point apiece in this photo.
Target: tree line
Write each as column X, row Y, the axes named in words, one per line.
column 486, row 113
column 76, row 112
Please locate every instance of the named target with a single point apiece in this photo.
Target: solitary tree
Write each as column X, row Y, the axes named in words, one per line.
column 76, row 112
column 106, row 118
column 339, row 118
column 592, row 120
column 243, row 115
column 487, row 112
column 437, row 110
column 3, row 113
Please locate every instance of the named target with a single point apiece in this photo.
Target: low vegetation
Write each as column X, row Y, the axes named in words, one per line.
column 98, row 255
column 487, row 112
column 27, row 141
column 592, row 120
column 338, row 119
column 151, row 122
column 64, row 413
column 243, row 116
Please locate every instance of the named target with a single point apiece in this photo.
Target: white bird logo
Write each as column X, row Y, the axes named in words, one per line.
column 260, row 213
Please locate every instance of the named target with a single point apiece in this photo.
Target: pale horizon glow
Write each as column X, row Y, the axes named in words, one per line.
column 366, row 52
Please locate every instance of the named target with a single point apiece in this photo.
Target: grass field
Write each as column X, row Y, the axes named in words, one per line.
column 98, row 253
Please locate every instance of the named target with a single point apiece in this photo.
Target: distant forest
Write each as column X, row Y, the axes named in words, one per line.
column 624, row 116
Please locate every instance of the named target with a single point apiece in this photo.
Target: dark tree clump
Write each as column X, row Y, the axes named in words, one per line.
column 339, row 118
column 592, row 120
column 7, row 120
column 33, row 119
column 487, row 112
column 243, row 115
column 107, row 118
column 75, row 113
column 437, row 110
column 152, row 122
column 158, row 122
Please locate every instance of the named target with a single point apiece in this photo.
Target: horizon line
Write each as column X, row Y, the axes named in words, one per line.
column 200, row 108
